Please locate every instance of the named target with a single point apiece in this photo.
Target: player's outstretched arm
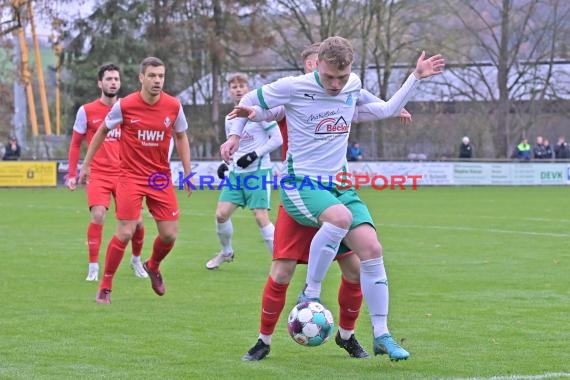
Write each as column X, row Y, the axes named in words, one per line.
column 393, row 107
column 367, row 97
column 256, row 113
column 96, row 142
column 242, row 111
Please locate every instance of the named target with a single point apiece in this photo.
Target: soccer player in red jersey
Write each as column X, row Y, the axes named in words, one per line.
column 149, row 118
column 104, row 171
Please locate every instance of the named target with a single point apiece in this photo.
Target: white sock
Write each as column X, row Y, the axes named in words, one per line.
column 374, row 283
column 345, row 334
column 267, row 235
column 324, row 247
column 225, row 231
column 93, row 266
column 266, row 338
column 135, row 259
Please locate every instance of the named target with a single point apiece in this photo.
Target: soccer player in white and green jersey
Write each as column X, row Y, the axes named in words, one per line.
column 252, row 166
column 319, row 108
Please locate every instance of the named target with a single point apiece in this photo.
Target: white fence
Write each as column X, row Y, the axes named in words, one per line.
column 380, row 173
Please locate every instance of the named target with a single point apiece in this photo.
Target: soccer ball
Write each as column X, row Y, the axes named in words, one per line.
column 310, row 324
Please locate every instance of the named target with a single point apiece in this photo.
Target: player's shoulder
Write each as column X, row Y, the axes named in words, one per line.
column 169, row 99
column 292, row 79
column 354, row 81
column 95, row 104
column 95, row 108
column 304, row 78
column 131, row 99
column 92, row 103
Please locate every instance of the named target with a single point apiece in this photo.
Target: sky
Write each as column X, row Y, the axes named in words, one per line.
column 67, row 11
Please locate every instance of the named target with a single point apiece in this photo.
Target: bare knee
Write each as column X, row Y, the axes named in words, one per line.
column 282, row 271
column 125, row 231
column 337, row 215
column 223, row 212
column 167, row 231
column 261, row 217
column 372, row 250
column 98, row 214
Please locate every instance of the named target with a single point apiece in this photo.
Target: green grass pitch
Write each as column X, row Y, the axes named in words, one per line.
column 479, row 287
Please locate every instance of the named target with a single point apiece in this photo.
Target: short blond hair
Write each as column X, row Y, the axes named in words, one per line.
column 312, row 49
column 336, row 51
column 238, row 77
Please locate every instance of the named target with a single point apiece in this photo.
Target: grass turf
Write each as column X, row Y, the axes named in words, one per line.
column 478, row 277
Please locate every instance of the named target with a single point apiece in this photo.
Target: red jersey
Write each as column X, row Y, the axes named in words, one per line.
column 106, row 161
column 146, row 131
column 283, row 128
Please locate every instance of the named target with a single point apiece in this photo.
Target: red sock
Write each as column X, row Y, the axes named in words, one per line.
column 272, row 304
column 94, row 237
column 159, row 251
column 115, row 252
column 138, row 240
column 350, row 301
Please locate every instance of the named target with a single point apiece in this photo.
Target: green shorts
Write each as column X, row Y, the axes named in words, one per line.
column 305, row 201
column 252, row 189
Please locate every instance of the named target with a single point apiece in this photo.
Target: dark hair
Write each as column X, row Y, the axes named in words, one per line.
column 107, row 67
column 150, row 61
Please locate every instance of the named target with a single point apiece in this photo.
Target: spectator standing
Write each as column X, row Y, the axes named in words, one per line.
column 561, row 150
column 465, row 149
column 12, row 151
column 538, row 151
column 548, row 152
column 354, row 152
column 522, row 151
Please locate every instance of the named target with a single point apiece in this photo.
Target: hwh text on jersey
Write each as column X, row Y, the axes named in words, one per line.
column 147, row 135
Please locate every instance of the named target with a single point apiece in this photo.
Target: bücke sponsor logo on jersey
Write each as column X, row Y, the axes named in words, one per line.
column 330, row 126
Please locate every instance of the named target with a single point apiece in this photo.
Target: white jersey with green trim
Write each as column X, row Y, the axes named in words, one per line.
column 254, row 137
column 318, row 124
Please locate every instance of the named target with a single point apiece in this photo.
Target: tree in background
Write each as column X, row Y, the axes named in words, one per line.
column 392, row 34
column 296, row 24
column 502, row 58
column 114, row 32
column 193, row 38
column 514, row 45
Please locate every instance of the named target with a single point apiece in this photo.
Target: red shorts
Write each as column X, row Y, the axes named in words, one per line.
column 99, row 191
column 162, row 204
column 292, row 240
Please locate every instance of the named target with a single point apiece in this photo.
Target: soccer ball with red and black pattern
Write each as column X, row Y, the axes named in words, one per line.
column 310, row 324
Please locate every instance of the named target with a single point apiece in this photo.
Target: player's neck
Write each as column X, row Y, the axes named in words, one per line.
column 109, row 101
column 149, row 98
